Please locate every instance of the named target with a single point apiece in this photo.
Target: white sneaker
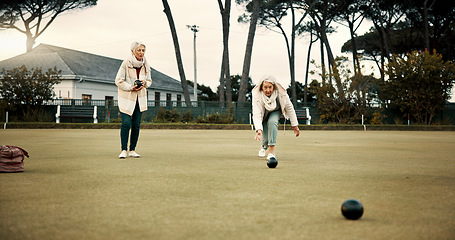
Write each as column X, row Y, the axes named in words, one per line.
column 270, row 156
column 122, row 155
column 261, row 152
column 134, row 154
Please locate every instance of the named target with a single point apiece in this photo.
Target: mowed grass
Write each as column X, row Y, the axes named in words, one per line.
column 209, row 184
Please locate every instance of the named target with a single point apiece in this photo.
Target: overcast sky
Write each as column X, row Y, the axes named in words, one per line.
column 109, row 28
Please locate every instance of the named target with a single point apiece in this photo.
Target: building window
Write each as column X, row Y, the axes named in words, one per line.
column 179, row 100
column 168, row 99
column 86, row 99
column 109, row 100
column 157, row 99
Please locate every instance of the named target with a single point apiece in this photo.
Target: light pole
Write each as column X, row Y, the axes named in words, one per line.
column 195, row 29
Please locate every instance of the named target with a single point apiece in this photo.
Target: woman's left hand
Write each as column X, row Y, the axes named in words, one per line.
column 296, row 131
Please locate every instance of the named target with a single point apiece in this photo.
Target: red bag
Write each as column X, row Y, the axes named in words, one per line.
column 12, row 158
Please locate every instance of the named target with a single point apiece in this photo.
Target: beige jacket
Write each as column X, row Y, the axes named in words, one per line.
column 124, row 80
column 285, row 103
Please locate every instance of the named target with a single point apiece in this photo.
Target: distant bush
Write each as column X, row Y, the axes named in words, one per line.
column 217, row 118
column 172, row 115
column 160, row 115
column 378, row 117
column 187, row 116
column 168, row 115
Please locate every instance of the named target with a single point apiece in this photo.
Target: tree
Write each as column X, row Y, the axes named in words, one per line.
column 235, row 84
column 36, row 15
column 300, row 89
column 385, row 14
column 358, row 93
column 272, row 17
column 255, row 10
column 178, row 55
column 402, row 40
column 322, row 15
column 352, row 13
column 309, row 27
column 24, row 90
column 225, row 67
column 434, row 23
column 419, row 84
column 206, row 92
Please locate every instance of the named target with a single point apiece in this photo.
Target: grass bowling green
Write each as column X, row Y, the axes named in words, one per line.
column 210, row 184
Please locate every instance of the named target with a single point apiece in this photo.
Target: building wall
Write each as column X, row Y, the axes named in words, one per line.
column 95, row 89
column 64, row 90
column 163, row 95
column 74, row 89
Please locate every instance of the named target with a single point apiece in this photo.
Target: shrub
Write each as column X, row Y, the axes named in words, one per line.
column 378, row 117
column 187, row 116
column 172, row 115
column 216, row 118
column 160, row 115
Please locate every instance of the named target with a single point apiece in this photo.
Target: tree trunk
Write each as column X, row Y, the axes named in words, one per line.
column 30, row 42
column 426, row 30
column 331, row 59
column 292, row 59
column 222, row 84
column 354, row 48
column 167, row 11
column 321, row 47
column 308, row 59
column 225, row 16
column 383, row 32
column 291, row 55
column 249, row 51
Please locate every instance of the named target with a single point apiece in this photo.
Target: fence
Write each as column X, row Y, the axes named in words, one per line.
column 108, row 111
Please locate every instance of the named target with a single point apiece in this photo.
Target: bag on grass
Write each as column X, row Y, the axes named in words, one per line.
column 12, row 158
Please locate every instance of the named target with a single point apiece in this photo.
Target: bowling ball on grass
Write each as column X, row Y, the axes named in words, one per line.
column 352, row 209
column 272, row 162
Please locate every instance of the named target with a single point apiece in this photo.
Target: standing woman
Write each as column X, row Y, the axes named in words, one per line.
column 132, row 98
column 270, row 101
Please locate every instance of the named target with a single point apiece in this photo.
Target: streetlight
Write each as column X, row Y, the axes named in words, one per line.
column 195, row 29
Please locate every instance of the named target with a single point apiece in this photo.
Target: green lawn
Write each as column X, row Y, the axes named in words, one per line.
column 209, row 184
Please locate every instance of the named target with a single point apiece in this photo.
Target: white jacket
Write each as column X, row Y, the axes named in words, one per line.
column 125, row 78
column 285, row 103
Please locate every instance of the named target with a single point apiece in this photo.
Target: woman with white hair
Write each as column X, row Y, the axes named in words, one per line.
column 132, row 79
column 270, row 101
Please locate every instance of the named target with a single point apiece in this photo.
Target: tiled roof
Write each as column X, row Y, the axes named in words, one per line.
column 81, row 64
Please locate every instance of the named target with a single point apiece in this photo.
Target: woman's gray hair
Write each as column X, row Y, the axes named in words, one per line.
column 270, row 79
column 135, row 45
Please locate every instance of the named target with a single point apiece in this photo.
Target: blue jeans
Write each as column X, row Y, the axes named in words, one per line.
column 130, row 122
column 270, row 129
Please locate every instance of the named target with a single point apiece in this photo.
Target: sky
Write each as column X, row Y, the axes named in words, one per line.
column 109, row 28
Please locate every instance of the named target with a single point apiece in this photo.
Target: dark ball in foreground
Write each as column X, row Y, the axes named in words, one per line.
column 138, row 83
column 352, row 209
column 272, row 162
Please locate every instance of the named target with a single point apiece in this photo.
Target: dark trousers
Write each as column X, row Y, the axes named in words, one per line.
column 130, row 122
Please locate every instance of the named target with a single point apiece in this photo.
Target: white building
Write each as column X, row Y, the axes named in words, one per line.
column 91, row 77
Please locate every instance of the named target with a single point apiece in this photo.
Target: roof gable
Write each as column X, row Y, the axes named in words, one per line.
column 81, row 64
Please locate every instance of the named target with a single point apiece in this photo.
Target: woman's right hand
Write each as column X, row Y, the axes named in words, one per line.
column 258, row 135
column 136, row 88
